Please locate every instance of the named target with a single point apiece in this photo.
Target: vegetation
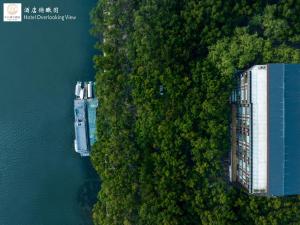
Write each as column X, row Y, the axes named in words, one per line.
column 164, row 84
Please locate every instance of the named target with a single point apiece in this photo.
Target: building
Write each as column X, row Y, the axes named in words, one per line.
column 85, row 105
column 265, row 130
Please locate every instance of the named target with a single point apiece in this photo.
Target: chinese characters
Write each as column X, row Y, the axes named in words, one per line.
column 41, row 10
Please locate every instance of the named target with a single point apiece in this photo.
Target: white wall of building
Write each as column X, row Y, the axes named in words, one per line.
column 259, row 104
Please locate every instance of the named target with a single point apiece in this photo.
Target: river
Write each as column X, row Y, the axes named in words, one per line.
column 42, row 180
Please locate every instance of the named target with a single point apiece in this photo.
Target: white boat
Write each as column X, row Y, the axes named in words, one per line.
column 77, row 88
column 90, row 90
column 81, row 94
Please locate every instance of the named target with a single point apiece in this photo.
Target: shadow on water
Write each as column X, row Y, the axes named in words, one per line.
column 88, row 191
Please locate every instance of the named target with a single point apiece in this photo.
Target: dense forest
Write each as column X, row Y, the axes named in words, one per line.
column 164, row 73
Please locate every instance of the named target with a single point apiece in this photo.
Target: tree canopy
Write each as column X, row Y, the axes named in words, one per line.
column 164, row 76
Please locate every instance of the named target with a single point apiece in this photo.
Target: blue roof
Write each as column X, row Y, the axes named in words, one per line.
column 284, row 129
column 81, row 141
column 92, row 105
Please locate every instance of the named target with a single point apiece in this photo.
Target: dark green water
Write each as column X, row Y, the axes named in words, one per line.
column 42, row 180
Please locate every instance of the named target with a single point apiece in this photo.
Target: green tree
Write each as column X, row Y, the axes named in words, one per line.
column 163, row 121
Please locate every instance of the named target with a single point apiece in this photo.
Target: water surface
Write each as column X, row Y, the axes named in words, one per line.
column 42, row 180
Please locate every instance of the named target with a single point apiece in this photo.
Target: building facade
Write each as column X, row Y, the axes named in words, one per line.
column 265, row 130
